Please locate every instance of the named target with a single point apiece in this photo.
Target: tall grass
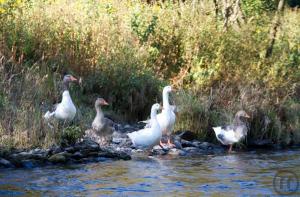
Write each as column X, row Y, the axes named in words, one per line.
column 125, row 51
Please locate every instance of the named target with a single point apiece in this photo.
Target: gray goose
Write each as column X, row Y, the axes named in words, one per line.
column 230, row 134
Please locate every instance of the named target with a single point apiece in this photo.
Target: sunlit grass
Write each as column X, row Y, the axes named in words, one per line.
column 127, row 50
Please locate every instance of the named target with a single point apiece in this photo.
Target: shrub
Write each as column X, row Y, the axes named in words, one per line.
column 71, row 134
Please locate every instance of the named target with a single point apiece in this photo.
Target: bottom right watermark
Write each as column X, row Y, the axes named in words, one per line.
column 286, row 182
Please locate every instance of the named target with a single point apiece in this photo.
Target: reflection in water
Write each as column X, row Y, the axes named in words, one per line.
column 212, row 175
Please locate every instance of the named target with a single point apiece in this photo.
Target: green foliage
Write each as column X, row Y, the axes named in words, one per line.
column 71, row 134
column 258, row 7
column 141, row 29
column 126, row 88
column 195, row 114
column 3, row 101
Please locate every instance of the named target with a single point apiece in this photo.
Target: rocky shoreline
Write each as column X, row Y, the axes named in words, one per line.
column 81, row 152
column 87, row 151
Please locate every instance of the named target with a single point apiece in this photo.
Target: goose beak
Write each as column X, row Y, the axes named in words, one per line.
column 105, row 103
column 73, row 78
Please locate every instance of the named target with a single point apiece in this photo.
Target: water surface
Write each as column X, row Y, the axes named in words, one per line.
column 237, row 174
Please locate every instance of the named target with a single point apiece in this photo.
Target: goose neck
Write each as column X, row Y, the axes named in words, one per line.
column 65, row 85
column 238, row 121
column 166, row 103
column 99, row 112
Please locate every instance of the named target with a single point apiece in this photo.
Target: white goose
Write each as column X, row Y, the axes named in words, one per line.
column 148, row 137
column 65, row 110
column 230, row 134
column 167, row 117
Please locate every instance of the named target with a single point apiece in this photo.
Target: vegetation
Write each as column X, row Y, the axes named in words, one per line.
column 127, row 51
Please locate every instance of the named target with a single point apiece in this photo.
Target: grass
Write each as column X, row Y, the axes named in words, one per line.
column 127, row 51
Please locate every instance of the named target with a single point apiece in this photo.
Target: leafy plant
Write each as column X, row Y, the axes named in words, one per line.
column 71, row 134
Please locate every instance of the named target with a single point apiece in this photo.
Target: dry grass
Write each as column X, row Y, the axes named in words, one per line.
column 127, row 50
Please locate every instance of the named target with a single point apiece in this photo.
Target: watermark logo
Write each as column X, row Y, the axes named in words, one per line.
column 286, row 182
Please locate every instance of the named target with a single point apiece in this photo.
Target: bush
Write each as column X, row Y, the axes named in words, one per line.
column 71, row 134
column 126, row 51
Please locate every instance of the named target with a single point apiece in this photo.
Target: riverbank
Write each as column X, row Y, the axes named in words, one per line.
column 88, row 151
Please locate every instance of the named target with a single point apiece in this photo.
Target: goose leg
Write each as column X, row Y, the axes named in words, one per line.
column 170, row 144
column 160, row 142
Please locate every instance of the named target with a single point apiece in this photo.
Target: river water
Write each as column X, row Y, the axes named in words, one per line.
column 237, row 174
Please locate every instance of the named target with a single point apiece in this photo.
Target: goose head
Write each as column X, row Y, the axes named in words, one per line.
column 242, row 113
column 240, row 117
column 67, row 80
column 100, row 102
column 155, row 107
column 167, row 89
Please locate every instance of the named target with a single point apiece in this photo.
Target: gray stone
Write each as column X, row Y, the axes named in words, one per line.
column 191, row 150
column 174, row 151
column 87, row 144
column 58, row 158
column 5, row 163
column 55, row 149
column 205, row 145
column 77, row 155
column 29, row 163
column 116, row 140
column 70, row 149
column 182, row 153
column 178, row 144
column 185, row 143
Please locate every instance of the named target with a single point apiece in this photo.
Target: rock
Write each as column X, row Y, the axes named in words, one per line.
column 55, row 149
column 130, row 128
column 157, row 150
column 197, row 143
column 182, row 153
column 21, row 156
column 5, row 163
column 174, row 151
column 29, row 163
column 191, row 150
column 87, row 144
column 116, row 140
column 127, row 126
column 137, row 151
column 205, row 145
column 58, row 158
column 185, row 143
column 77, row 155
column 178, row 144
column 70, row 149
column 40, row 152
